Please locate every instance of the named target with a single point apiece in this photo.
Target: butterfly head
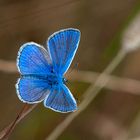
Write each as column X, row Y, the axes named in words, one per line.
column 65, row 80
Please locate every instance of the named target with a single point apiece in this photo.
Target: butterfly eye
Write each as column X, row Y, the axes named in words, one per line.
column 65, row 80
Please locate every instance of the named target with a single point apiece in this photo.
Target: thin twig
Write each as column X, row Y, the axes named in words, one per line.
column 91, row 93
column 4, row 134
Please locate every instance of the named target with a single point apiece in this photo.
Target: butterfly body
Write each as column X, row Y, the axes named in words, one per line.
column 51, row 80
column 42, row 71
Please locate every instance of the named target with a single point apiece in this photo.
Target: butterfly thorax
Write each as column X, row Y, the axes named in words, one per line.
column 50, row 79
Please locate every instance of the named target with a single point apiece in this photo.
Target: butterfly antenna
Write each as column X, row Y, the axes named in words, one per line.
column 73, row 67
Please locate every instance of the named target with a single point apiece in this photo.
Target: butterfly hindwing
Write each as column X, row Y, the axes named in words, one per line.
column 33, row 59
column 32, row 90
column 62, row 47
column 61, row 100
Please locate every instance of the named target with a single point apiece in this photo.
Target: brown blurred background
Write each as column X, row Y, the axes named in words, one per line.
column 112, row 114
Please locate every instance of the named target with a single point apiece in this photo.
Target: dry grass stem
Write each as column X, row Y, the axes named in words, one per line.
column 91, row 93
column 4, row 134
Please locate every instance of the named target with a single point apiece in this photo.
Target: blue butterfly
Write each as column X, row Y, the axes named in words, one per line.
column 42, row 71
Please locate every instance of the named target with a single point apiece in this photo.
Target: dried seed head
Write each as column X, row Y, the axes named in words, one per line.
column 131, row 37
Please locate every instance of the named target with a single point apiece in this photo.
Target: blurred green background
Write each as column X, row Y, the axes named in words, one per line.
column 101, row 24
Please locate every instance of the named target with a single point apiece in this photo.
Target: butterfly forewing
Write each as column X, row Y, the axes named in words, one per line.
column 33, row 59
column 62, row 47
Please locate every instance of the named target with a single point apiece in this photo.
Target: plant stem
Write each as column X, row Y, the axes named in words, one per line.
column 5, row 133
column 90, row 94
